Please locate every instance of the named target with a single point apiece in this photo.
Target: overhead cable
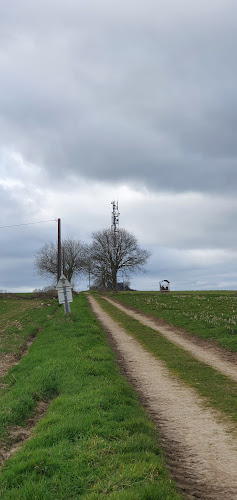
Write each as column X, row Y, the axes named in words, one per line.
column 30, row 223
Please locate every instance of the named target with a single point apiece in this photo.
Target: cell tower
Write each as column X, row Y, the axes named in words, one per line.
column 115, row 217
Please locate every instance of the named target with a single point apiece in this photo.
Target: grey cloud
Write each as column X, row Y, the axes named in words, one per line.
column 142, row 94
column 184, row 221
column 187, row 273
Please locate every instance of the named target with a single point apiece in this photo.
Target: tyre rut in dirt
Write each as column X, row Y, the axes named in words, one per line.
column 201, row 451
column 213, row 356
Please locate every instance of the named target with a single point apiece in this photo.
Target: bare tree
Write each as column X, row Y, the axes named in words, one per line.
column 73, row 259
column 87, row 267
column 113, row 251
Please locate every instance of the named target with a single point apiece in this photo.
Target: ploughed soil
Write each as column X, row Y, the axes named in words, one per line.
column 199, row 444
column 206, row 351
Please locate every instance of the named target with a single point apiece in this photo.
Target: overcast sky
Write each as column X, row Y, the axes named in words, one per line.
column 134, row 101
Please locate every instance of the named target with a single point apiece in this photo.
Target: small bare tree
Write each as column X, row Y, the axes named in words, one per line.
column 73, row 259
column 113, row 251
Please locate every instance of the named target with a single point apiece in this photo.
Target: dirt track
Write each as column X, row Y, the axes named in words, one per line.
column 224, row 362
column 201, row 451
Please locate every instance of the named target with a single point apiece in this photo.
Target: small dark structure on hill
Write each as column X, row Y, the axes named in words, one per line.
column 164, row 286
column 123, row 286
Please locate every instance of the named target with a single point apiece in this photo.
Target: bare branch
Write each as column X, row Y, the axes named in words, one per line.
column 111, row 252
column 73, row 259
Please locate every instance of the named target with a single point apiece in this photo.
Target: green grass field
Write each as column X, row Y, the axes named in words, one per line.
column 95, row 441
column 209, row 315
column 20, row 320
column 218, row 390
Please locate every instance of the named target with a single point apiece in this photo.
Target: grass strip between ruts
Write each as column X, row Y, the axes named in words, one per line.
column 209, row 315
column 219, row 390
column 95, row 441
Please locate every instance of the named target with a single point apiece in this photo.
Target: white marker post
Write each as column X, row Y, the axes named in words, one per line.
column 64, row 289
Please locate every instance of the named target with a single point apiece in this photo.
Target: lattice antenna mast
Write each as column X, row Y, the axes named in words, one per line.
column 115, row 217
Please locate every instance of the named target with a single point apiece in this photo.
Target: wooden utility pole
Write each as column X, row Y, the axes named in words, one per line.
column 63, row 260
column 59, row 251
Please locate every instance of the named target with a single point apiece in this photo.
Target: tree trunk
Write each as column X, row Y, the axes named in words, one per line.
column 114, row 281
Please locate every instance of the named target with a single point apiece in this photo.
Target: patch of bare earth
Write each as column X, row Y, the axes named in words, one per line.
column 200, row 449
column 17, row 435
column 9, row 360
column 223, row 361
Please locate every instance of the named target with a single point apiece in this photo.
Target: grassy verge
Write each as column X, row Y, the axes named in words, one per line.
column 20, row 319
column 95, row 441
column 209, row 315
column 219, row 390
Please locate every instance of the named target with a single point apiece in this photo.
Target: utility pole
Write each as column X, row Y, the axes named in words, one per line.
column 59, row 251
column 63, row 260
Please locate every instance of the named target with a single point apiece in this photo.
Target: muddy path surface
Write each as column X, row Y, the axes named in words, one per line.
column 219, row 359
column 201, row 449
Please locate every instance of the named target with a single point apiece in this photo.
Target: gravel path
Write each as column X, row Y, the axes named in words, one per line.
column 201, row 451
column 224, row 362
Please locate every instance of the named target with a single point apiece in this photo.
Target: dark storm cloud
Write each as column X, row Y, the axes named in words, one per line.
column 143, row 93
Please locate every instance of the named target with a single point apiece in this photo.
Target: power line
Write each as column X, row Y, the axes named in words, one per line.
column 30, row 223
